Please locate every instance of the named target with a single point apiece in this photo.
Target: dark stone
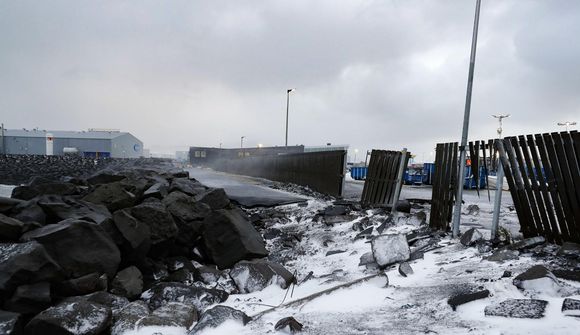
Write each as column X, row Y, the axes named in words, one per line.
column 83, row 285
column 214, row 317
column 527, row 243
column 502, row 255
column 293, row 325
column 463, row 298
column 157, row 190
column 416, row 254
column 470, row 237
column 336, row 210
column 252, row 276
column 199, row 297
column 367, row 258
column 7, row 204
column 160, row 222
column 114, row 302
column 334, row 252
column 536, row 272
column 209, row 275
column 215, row 198
column 24, row 192
column 403, row 206
column 272, row 233
column 79, row 247
column 569, row 249
column 229, row 237
column 175, row 314
column 128, row 317
column 186, row 186
column 30, row 299
column 66, row 318
column 58, row 188
column 405, row 269
column 29, row 211
column 128, row 283
column 104, row 177
column 111, row 195
column 571, row 307
column 11, row 229
column 136, row 235
column 365, row 233
column 11, row 323
column 518, row 308
column 25, row 263
column 506, row 274
column 184, row 208
column 573, row 275
column 59, row 208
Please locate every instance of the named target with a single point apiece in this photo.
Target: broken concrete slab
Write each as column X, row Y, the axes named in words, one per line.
column 518, row 308
column 463, row 298
column 571, row 307
column 538, row 279
column 390, row 248
column 470, row 237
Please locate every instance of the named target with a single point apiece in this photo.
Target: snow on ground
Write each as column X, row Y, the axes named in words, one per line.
column 6, row 190
column 407, row 305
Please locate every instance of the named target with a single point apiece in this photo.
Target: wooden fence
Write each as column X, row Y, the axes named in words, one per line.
column 444, row 183
column 321, row 171
column 543, row 173
column 381, row 181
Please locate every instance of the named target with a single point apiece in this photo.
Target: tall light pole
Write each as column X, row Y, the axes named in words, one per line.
column 242, row 142
column 287, row 110
column 461, row 179
column 567, row 124
column 355, row 152
column 498, row 183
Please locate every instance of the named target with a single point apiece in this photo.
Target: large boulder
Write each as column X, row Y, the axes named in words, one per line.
column 80, row 247
column 59, row 208
column 172, row 314
column 30, row 299
column 86, row 284
column 214, row 317
column 128, row 283
column 11, row 323
column 187, row 186
column 11, row 229
column 163, row 293
column 155, row 216
column 184, row 208
column 28, row 192
column 104, row 177
column 25, row 263
column 29, row 211
column 229, row 237
column 111, row 195
column 128, row 317
column 390, row 248
column 66, row 318
column 136, row 235
column 252, row 276
column 215, row 198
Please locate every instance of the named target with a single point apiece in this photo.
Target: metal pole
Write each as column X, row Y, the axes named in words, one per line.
column 287, row 111
column 461, row 179
column 242, row 142
column 399, row 180
column 3, row 146
column 498, row 183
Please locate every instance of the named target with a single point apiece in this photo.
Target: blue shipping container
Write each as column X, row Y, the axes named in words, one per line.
column 358, row 173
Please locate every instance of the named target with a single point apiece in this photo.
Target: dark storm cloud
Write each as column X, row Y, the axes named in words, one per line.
column 372, row 74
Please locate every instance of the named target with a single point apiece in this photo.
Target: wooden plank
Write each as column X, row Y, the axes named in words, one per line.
column 560, row 186
column 394, row 170
column 573, row 169
column 564, row 161
column 542, row 223
column 435, row 193
column 383, row 181
column 541, row 184
column 507, row 168
column 447, row 182
column 523, row 182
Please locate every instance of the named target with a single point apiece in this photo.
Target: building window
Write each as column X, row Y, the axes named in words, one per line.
column 247, row 154
column 197, row 154
column 240, row 154
column 203, row 154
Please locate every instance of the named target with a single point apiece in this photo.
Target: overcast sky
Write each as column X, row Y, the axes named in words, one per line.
column 371, row 74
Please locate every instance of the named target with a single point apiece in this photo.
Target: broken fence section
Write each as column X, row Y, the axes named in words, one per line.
column 444, row 185
column 382, row 177
column 543, row 174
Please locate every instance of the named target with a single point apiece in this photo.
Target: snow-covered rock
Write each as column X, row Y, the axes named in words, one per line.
column 571, row 307
column 518, row 308
column 537, row 279
column 11, row 323
column 79, row 318
column 200, row 297
column 252, row 276
column 470, row 237
column 390, row 248
column 214, row 317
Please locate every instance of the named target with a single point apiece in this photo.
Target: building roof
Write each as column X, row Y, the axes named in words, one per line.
column 63, row 133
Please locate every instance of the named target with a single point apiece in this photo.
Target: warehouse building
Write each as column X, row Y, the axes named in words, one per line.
column 91, row 143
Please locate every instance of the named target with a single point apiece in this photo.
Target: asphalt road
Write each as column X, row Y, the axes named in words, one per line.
column 246, row 191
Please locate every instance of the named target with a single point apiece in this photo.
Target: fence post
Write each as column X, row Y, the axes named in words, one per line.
column 497, row 201
column 399, row 181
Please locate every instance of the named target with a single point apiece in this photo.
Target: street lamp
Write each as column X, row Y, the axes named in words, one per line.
column 567, row 124
column 287, row 110
column 242, row 142
column 355, row 152
column 500, row 118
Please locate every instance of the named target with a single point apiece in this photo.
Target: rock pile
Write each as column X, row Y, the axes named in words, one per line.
column 124, row 249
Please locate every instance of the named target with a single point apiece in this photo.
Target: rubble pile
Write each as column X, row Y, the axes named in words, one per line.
column 126, row 248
